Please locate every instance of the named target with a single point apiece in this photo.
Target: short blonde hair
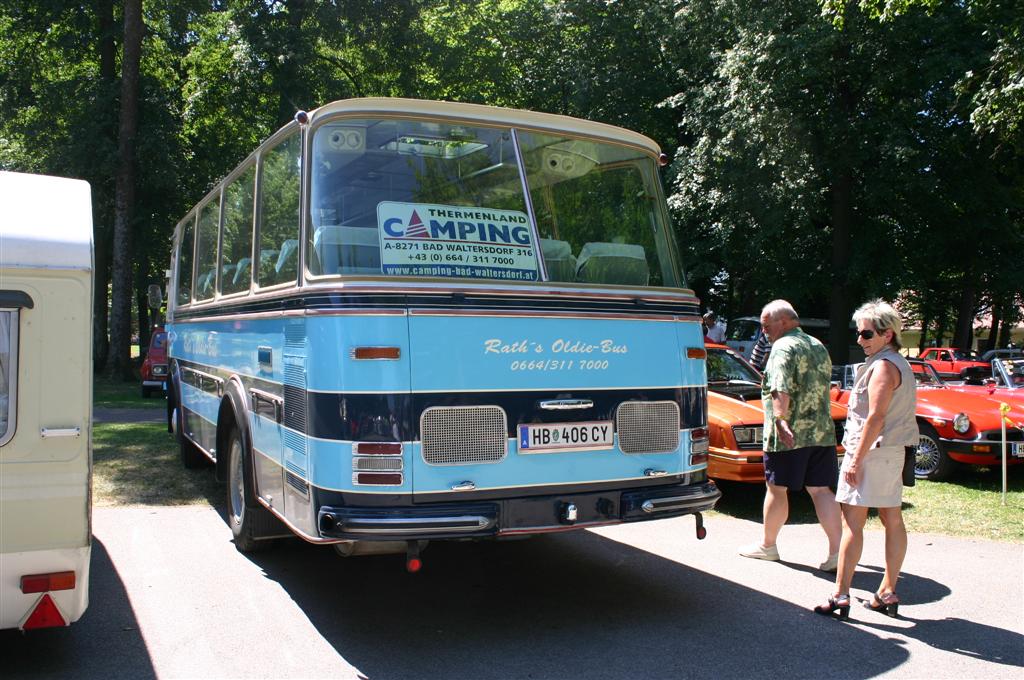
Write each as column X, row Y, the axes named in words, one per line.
column 882, row 317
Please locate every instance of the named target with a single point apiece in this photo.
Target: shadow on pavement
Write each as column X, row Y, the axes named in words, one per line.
column 104, row 643
column 570, row 606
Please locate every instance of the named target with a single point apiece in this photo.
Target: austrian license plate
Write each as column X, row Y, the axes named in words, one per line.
column 1017, row 449
column 543, row 437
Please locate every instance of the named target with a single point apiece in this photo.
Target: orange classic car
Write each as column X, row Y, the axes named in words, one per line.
column 956, row 424
column 736, row 418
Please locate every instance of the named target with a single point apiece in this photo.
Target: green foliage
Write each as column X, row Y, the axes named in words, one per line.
column 825, row 150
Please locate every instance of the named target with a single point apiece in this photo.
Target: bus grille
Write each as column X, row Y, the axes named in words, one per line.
column 456, row 435
column 648, row 426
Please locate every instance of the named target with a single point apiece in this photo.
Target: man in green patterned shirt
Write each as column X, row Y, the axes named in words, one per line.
column 799, row 435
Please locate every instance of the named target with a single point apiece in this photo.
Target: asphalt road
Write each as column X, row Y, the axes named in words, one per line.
column 172, row 598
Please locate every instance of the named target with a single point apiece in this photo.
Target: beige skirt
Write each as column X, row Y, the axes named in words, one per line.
column 881, row 479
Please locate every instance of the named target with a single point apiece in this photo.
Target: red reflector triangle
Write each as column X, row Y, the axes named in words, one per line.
column 45, row 615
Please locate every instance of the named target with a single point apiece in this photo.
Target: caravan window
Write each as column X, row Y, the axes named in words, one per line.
column 8, row 372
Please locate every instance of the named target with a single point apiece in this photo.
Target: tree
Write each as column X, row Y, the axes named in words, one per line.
column 119, row 356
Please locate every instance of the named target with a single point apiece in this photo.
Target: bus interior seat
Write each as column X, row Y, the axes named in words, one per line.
column 347, row 250
column 288, row 256
column 204, row 286
column 617, row 263
column 242, row 270
column 227, row 271
column 558, row 259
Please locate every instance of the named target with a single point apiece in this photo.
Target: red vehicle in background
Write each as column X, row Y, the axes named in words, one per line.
column 956, row 425
column 154, row 366
column 949, row 362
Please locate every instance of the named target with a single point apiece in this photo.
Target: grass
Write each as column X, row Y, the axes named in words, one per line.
column 108, row 393
column 139, row 464
column 970, row 505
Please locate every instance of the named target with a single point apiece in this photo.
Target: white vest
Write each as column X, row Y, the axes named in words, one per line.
column 900, row 428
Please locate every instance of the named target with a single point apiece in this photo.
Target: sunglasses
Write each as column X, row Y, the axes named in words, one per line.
column 866, row 334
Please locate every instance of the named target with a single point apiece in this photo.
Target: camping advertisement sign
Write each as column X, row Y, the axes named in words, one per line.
column 423, row 239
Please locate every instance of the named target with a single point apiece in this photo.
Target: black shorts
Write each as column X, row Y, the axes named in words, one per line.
column 797, row 468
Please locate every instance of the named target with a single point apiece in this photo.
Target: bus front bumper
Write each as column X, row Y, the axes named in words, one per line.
column 516, row 516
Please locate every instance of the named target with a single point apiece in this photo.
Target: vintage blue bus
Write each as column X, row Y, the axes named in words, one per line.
column 400, row 321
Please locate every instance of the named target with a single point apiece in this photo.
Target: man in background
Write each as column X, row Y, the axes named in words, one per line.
column 799, row 435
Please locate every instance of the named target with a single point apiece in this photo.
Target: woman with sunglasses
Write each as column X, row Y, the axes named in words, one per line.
column 880, row 424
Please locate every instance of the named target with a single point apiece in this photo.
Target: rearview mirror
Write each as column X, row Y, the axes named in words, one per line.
column 155, row 295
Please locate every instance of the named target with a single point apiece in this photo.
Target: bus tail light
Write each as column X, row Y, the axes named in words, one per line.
column 376, row 353
column 377, row 448
column 41, row 583
column 698, row 446
column 377, row 463
column 379, row 478
column 696, row 353
column 45, row 614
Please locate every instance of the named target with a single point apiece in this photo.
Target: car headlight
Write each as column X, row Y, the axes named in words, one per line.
column 961, row 423
column 747, row 435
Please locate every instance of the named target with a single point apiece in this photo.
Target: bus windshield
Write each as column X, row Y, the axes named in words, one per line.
column 399, row 197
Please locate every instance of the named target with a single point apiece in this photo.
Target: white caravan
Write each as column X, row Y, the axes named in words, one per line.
column 46, row 280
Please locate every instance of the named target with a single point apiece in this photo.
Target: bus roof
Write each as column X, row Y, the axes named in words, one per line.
column 45, row 222
column 478, row 113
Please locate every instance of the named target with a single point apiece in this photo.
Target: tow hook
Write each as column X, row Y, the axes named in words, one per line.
column 701, row 531
column 413, row 563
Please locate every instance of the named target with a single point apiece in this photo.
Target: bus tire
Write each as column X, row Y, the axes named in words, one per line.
column 931, row 462
column 246, row 517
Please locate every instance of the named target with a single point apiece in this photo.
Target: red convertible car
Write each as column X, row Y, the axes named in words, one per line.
column 956, row 425
column 950, row 362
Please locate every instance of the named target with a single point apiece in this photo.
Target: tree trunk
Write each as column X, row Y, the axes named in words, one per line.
column 119, row 356
column 926, row 321
column 839, row 306
column 101, row 230
column 993, row 331
column 965, row 312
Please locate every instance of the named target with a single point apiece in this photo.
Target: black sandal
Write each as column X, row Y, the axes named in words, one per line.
column 840, row 603
column 888, row 604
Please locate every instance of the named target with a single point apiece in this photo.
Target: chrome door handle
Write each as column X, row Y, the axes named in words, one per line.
column 651, row 472
column 48, row 432
column 464, row 486
column 566, row 404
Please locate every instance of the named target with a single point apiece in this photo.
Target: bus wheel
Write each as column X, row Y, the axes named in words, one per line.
column 191, row 456
column 931, row 462
column 245, row 516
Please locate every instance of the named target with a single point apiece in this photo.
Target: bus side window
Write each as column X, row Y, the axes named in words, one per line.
column 236, row 245
column 8, row 366
column 206, row 248
column 185, row 259
column 279, row 212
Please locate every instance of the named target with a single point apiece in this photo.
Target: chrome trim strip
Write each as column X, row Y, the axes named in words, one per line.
column 383, row 525
column 566, row 404
column 551, row 315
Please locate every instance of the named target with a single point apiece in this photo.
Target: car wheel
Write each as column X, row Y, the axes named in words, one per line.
column 146, row 391
column 931, row 462
column 244, row 514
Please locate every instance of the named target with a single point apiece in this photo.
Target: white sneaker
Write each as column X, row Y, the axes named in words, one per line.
column 831, row 564
column 759, row 552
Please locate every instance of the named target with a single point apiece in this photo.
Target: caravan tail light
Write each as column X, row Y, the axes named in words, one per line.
column 42, row 583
